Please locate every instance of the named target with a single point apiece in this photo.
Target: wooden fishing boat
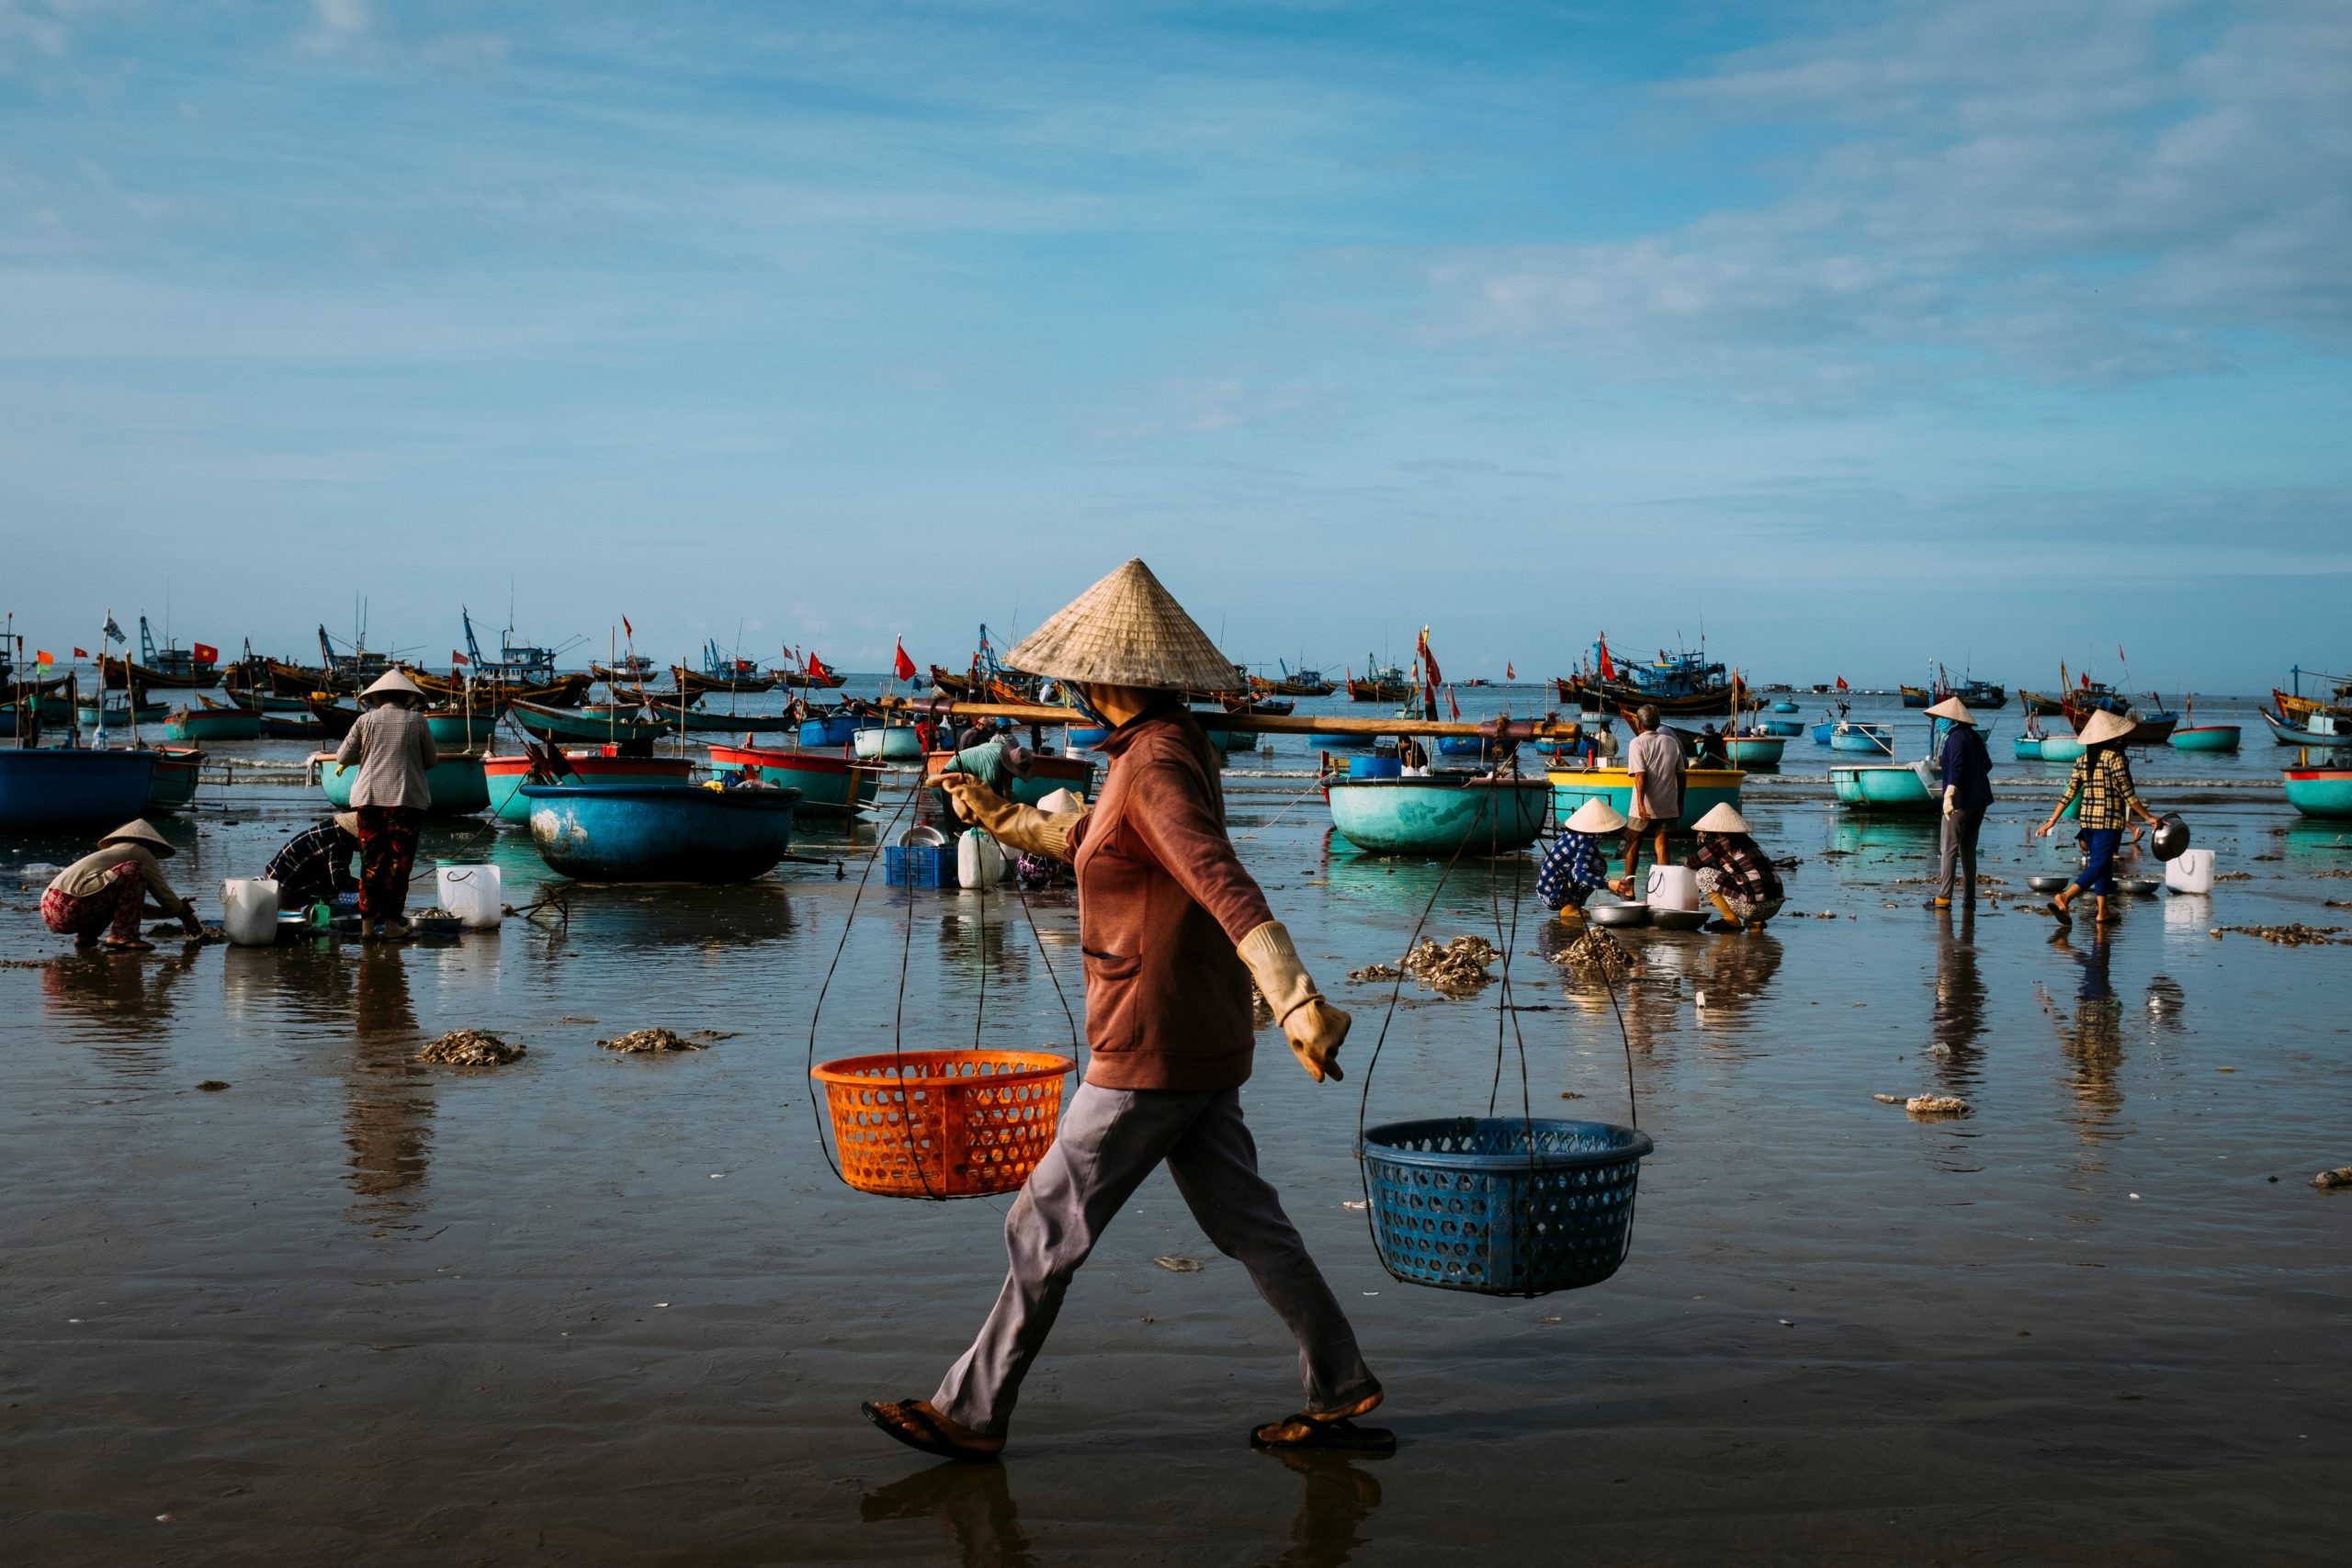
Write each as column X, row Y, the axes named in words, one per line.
column 948, row 684
column 887, row 743
column 2320, row 729
column 750, row 681
column 812, row 675
column 208, row 724
column 265, row 701
column 831, row 786
column 1703, row 789
column 172, row 784
column 461, row 727
column 1047, row 773
column 1440, row 815
column 335, row 719
column 1380, row 684
column 1915, row 696
column 2147, row 729
column 606, row 724
column 694, row 721
column 1682, row 685
column 660, row 833
column 1753, row 751
column 263, row 676
column 1979, row 695
column 1293, row 683
column 635, row 667
column 564, row 692
column 456, row 783
column 1886, row 787
column 53, row 787
column 118, row 715
column 2206, row 738
column 292, row 727
column 122, row 672
column 588, row 768
column 2320, row 792
column 2041, row 705
column 2297, row 709
column 1876, row 739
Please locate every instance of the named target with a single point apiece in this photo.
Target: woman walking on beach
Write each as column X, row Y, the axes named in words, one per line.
column 1174, row 932
column 392, row 747
column 2102, row 779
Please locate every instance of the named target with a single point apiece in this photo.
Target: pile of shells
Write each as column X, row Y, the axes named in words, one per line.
column 638, row 1040
column 2294, row 935
column 1597, row 955
column 1456, row 969
column 472, row 1048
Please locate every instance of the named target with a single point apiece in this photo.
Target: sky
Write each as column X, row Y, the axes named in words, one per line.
column 1850, row 336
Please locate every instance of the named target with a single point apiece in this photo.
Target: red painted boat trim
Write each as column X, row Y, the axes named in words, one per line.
column 791, row 761
column 642, row 767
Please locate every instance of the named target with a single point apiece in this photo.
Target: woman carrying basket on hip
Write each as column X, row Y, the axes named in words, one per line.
column 1174, row 932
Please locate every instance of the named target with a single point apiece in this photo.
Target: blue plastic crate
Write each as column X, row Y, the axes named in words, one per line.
column 1459, row 1203
column 918, row 865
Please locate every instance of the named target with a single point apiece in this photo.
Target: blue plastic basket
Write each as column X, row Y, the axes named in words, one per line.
column 918, row 865
column 1458, row 1203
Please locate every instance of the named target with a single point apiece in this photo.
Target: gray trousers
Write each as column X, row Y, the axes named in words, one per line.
column 1110, row 1140
column 1960, row 849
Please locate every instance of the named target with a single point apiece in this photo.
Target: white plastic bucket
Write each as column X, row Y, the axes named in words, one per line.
column 2191, row 871
column 249, row 910
column 1672, row 888
column 978, row 860
column 470, row 892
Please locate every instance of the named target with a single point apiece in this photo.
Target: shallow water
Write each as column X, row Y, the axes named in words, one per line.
column 597, row 1308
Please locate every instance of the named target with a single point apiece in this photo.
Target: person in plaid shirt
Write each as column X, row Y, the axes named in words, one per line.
column 1735, row 875
column 315, row 864
column 2102, row 778
column 1574, row 865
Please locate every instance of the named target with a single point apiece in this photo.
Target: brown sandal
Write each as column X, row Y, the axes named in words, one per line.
column 913, row 1422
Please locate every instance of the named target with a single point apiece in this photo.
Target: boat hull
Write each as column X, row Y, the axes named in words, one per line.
column 660, row 833
column 837, row 729
column 1439, row 816
column 1870, row 740
column 456, row 783
column 2286, row 734
column 41, row 788
column 2027, row 748
column 828, row 785
column 2061, row 748
column 505, row 777
column 592, row 728
column 1754, row 750
column 1703, row 789
column 1786, row 729
column 2207, row 737
column 2324, row 792
column 1341, row 742
column 209, row 726
column 1886, row 787
column 463, row 730
column 172, row 784
column 892, row 743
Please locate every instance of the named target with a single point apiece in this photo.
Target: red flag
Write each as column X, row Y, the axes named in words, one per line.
column 817, row 666
column 1841, row 684
column 1509, row 672
column 903, row 667
column 206, row 653
column 81, row 653
column 1429, row 659
column 1453, row 706
column 2119, row 655
column 627, row 630
column 456, row 658
column 1609, row 671
column 43, row 656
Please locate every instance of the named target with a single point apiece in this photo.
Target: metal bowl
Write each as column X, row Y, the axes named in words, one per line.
column 2146, row 886
column 1625, row 914
column 1678, row 920
column 2047, row 883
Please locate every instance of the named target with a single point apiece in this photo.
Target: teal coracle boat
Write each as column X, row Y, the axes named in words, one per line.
column 2027, row 748
column 1784, row 707
column 457, row 783
column 173, row 783
column 2061, row 748
column 1439, row 815
column 1875, row 739
column 660, row 833
column 51, row 787
column 1703, row 789
column 2206, row 738
column 1754, row 750
column 118, row 715
column 460, row 728
column 199, row 725
column 608, row 725
column 891, row 743
column 1886, row 787
column 2320, row 792
column 1341, row 742
column 1790, row 728
column 505, row 776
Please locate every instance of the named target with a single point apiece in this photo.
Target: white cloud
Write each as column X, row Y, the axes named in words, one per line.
column 2071, row 192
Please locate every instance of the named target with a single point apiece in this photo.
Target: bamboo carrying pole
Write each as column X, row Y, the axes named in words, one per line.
column 1258, row 723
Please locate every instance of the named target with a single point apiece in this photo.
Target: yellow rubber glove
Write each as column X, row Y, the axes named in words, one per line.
column 1313, row 1026
column 1015, row 826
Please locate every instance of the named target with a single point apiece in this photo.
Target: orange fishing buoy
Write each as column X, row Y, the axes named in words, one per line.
column 942, row 1123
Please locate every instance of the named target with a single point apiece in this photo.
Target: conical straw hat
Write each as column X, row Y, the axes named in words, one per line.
column 1126, row 630
column 1724, row 818
column 136, row 832
column 391, row 682
column 2104, row 726
column 1597, row 815
column 1953, row 709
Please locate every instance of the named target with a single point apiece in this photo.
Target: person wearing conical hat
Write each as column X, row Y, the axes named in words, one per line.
column 1174, row 933
column 392, row 748
column 1967, row 793
column 1733, row 873
column 1576, row 867
column 108, row 890
column 2101, row 779
column 315, row 864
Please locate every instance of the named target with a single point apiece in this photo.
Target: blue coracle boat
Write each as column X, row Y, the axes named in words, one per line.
column 660, row 833
column 48, row 787
column 1878, row 739
column 833, row 729
column 1440, row 815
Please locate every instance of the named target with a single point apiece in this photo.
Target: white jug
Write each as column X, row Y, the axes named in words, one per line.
column 1672, row 888
column 249, row 910
column 2191, row 871
column 470, row 893
column 978, row 860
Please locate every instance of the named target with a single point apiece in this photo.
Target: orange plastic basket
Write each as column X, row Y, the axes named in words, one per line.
column 942, row 1123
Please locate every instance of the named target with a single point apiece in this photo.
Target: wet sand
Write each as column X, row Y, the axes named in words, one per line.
column 591, row 1307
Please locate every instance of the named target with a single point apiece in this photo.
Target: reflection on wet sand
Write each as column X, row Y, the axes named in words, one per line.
column 2093, row 1038
column 387, row 1117
column 603, row 917
column 1960, row 1004
column 118, row 998
column 1733, row 974
column 1328, row 1524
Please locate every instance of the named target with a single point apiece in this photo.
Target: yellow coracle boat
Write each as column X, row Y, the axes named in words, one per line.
column 1703, row 789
